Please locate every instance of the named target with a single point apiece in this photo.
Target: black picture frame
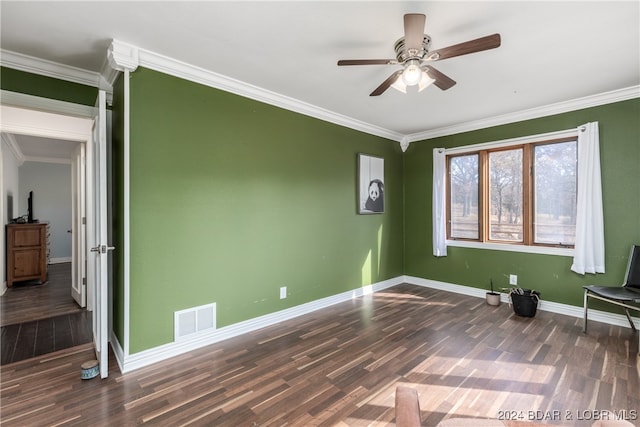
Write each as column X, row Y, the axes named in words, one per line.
column 370, row 184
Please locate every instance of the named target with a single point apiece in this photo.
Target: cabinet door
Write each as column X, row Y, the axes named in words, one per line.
column 26, row 263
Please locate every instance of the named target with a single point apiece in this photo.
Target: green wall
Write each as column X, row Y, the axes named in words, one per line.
column 232, row 199
column 620, row 166
column 47, row 87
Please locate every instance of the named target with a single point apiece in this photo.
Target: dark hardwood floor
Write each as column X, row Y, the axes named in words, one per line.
column 29, row 339
column 340, row 366
column 42, row 318
column 26, row 301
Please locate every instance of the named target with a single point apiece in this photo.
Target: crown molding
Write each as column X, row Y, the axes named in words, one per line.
column 13, row 146
column 121, row 56
column 404, row 143
column 199, row 75
column 43, row 67
column 110, row 75
column 532, row 113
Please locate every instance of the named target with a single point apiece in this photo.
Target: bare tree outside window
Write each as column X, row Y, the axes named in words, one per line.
column 505, row 192
column 555, row 181
column 463, row 173
column 523, row 193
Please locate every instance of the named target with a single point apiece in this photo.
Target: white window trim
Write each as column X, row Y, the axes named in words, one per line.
column 543, row 250
column 531, row 139
column 569, row 133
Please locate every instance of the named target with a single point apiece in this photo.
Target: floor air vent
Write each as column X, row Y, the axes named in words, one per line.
column 195, row 320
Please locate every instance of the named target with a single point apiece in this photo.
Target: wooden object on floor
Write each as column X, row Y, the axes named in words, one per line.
column 26, row 252
column 408, row 414
column 407, row 407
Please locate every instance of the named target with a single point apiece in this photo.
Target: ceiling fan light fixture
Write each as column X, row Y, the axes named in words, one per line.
column 425, row 81
column 412, row 73
column 399, row 85
column 413, row 49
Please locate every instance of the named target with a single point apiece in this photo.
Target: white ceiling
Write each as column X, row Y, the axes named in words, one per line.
column 38, row 149
column 551, row 51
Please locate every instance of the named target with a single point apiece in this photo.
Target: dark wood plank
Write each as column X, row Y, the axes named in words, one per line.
column 45, row 339
column 26, row 341
column 8, row 343
column 80, row 324
column 62, row 333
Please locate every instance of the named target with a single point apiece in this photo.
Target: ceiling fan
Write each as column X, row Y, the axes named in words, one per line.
column 412, row 51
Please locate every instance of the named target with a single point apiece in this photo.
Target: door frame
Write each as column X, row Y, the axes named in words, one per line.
column 78, row 228
column 35, row 116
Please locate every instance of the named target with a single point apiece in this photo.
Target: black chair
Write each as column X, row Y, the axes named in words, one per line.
column 623, row 296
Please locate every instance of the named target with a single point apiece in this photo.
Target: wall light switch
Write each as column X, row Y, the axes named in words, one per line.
column 513, row 279
column 283, row 292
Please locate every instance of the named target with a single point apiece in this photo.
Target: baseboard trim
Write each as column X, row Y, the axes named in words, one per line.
column 117, row 350
column 550, row 306
column 61, row 260
column 3, row 288
column 128, row 363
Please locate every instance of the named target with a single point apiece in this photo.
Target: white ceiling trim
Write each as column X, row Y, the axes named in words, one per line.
column 55, row 70
column 13, row 146
column 532, row 113
column 199, row 75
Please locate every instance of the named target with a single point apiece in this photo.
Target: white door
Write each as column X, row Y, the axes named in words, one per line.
column 78, row 238
column 98, row 260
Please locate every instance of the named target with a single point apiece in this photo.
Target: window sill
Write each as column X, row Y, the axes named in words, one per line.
column 544, row 250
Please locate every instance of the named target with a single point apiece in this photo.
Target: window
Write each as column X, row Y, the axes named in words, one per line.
column 515, row 194
column 505, row 195
column 463, row 206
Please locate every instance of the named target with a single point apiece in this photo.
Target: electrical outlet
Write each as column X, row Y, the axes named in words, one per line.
column 283, row 292
column 513, row 279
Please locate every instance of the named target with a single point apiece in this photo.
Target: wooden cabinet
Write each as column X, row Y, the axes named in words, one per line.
column 26, row 252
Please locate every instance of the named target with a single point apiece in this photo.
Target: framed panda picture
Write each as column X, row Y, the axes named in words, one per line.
column 370, row 184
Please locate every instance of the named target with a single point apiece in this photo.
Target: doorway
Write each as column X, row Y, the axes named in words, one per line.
column 42, row 317
column 74, row 323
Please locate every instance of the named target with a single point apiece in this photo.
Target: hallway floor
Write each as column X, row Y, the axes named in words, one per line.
column 39, row 318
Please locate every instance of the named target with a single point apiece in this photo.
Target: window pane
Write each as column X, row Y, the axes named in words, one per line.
column 463, row 178
column 554, row 220
column 505, row 195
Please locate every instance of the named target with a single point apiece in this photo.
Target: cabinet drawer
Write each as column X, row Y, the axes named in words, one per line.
column 27, row 237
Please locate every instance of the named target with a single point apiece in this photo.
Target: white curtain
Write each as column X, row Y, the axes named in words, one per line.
column 588, row 255
column 439, row 204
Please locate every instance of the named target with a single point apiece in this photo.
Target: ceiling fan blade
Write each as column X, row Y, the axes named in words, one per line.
column 367, row 62
column 441, row 80
column 386, row 84
column 414, row 30
column 472, row 46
